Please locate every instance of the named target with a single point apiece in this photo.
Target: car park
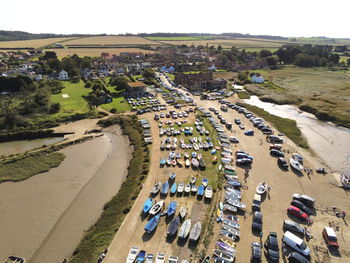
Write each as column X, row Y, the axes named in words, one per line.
column 257, row 222
column 271, row 247
column 289, row 225
column 301, row 206
column 295, row 211
column 256, row 252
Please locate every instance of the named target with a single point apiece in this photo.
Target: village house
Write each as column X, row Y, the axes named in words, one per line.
column 200, row 81
column 135, row 89
column 63, row 75
column 133, row 69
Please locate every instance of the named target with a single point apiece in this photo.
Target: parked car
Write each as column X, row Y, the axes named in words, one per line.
column 249, row 133
column 256, row 202
column 237, row 121
column 307, row 200
column 330, row 237
column 295, row 211
column 296, row 243
column 301, row 206
column 233, row 139
column 276, row 153
column 244, row 161
column 271, row 246
column 282, row 163
column 256, row 252
column 242, row 127
column 257, row 222
column 294, row 227
column 297, row 157
column 295, row 257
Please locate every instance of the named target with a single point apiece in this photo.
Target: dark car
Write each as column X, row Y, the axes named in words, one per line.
column 282, row 163
column 294, row 227
column 271, row 246
column 244, row 161
column 302, row 206
column 257, row 222
column 295, row 257
column 276, row 153
column 237, row 121
column 256, row 252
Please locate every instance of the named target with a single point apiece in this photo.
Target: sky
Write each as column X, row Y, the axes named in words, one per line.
column 293, row 18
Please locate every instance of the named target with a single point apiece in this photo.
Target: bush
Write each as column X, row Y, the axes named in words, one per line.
column 55, row 107
column 75, row 79
column 113, row 110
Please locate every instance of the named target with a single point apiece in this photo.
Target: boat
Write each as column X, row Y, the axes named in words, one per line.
column 178, row 156
column 231, row 177
column 186, row 155
column 147, row 205
column 194, row 188
column 206, row 260
column 156, row 188
column 195, row 162
column 183, row 211
column 168, row 146
column 151, row 225
column 160, row 258
column 195, row 147
column 221, row 206
column 156, row 208
column 173, row 226
column 180, row 187
column 172, row 208
column 162, row 161
column 196, row 231
column 168, row 161
column 210, row 145
column 165, row 188
column 201, row 190
column 187, row 188
column 15, row 259
column 228, row 235
column 215, row 159
column 213, row 151
column 201, row 163
column 229, row 168
column 193, row 180
column 141, row 256
column 225, row 247
column 199, row 156
column 149, row 258
column 228, row 242
column 172, row 176
column 185, row 229
column 194, row 154
column 182, row 141
column 219, row 214
column 172, row 155
column 296, row 165
column 173, row 188
column 208, row 192
column 187, row 163
column 173, row 162
column 180, row 162
column 261, row 188
column 231, row 223
column 132, row 254
column 230, row 229
column 195, row 140
column 205, row 182
column 205, row 146
column 237, row 204
column 234, row 183
column 226, row 256
column 230, row 208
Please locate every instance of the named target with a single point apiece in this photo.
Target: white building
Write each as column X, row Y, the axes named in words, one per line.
column 63, row 75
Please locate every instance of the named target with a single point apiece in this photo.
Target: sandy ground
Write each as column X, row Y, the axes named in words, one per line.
column 283, row 185
column 43, row 218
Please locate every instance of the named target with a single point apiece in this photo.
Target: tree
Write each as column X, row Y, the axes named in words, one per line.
column 271, row 61
column 148, row 74
column 54, row 64
column 55, row 107
column 348, row 62
column 265, row 53
column 304, row 60
column 242, row 77
column 219, row 48
column 120, row 83
column 49, row 54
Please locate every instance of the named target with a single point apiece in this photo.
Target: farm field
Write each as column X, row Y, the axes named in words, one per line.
column 184, row 38
column 95, row 52
column 111, row 40
column 34, row 43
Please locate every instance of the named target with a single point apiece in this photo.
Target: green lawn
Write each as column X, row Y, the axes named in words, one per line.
column 118, row 103
column 171, row 76
column 73, row 104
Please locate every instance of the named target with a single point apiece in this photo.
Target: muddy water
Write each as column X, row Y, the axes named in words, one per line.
column 330, row 142
column 7, row 148
column 44, row 218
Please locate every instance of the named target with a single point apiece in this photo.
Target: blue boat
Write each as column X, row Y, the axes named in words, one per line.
column 200, row 190
column 173, row 188
column 147, row 205
column 213, row 151
column 210, row 145
column 162, row 161
column 205, row 182
column 234, row 183
column 194, row 154
column 151, row 225
column 172, row 208
column 165, row 188
column 141, row 256
column 172, row 176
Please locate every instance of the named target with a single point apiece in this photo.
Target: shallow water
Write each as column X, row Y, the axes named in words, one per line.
column 44, row 217
column 7, row 148
column 330, row 142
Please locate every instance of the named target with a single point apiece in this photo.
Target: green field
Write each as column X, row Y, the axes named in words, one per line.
column 73, row 104
column 184, row 38
column 118, row 103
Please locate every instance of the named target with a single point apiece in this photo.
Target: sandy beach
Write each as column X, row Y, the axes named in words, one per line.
column 43, row 218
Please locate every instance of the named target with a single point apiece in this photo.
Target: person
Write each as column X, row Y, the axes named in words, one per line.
column 269, row 188
column 343, row 214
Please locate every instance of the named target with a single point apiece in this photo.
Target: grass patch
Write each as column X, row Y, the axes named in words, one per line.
column 100, row 235
column 19, row 169
column 243, row 95
column 287, row 126
column 118, row 103
column 171, row 76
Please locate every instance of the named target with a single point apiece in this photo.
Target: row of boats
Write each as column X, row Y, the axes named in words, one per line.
column 197, row 161
column 140, row 256
column 195, row 145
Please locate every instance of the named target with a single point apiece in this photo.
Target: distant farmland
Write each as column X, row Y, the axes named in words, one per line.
column 110, row 40
column 35, row 43
column 184, row 38
column 94, row 52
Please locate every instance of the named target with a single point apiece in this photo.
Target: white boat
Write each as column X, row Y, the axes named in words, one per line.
column 196, row 231
column 195, row 147
column 180, row 187
column 156, row 208
column 237, row 204
column 160, row 258
column 230, row 208
column 261, row 188
column 226, row 256
column 208, row 192
column 173, row 259
column 187, row 188
column 296, row 165
column 132, row 254
column 230, row 229
column 185, row 229
column 187, row 163
column 183, row 211
column 156, row 188
column 194, row 188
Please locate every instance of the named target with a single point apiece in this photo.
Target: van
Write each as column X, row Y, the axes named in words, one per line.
column 296, row 243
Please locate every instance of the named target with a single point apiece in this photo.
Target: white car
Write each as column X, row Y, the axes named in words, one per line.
column 160, row 258
column 132, row 254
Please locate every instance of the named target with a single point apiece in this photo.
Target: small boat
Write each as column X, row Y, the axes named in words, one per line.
column 173, row 188
column 208, row 192
column 228, row 242
column 228, row 234
column 195, row 162
column 221, row 206
column 132, row 254
column 201, row 190
column 205, row 182
column 178, row 155
column 296, row 165
column 172, row 155
column 195, row 147
column 231, row 177
column 180, row 187
column 172, row 208
column 225, row 247
column 201, row 163
column 156, row 208
column 147, row 205
column 215, row 159
column 182, row 141
column 15, row 259
column 156, row 188
column 141, row 256
column 193, row 180
column 261, row 188
column 219, row 214
column 194, row 188
column 225, row 256
column 173, row 162
column 162, row 161
column 187, row 163
column 180, row 162
column 162, row 146
column 151, row 225
column 231, row 229
column 206, row 260
column 205, row 146
column 199, row 156
column 237, row 204
column 187, row 188
column 173, row 226
column 196, row 231
column 185, row 229
column 234, row 183
column 165, row 188
column 210, row 145
column 213, row 151
column 168, row 146
column 230, row 208
column 168, row 161
column 183, row 211
column 186, row 155
column 194, row 154
column 172, row 176
column 230, row 168
column 195, row 140
column 231, row 223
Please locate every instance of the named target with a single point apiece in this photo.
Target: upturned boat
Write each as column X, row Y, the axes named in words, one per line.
column 156, row 188
column 147, row 205
column 196, row 231
column 165, row 188
column 172, row 208
column 151, row 225
column 200, row 190
column 185, row 229
column 162, row 161
column 173, row 226
column 173, row 188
